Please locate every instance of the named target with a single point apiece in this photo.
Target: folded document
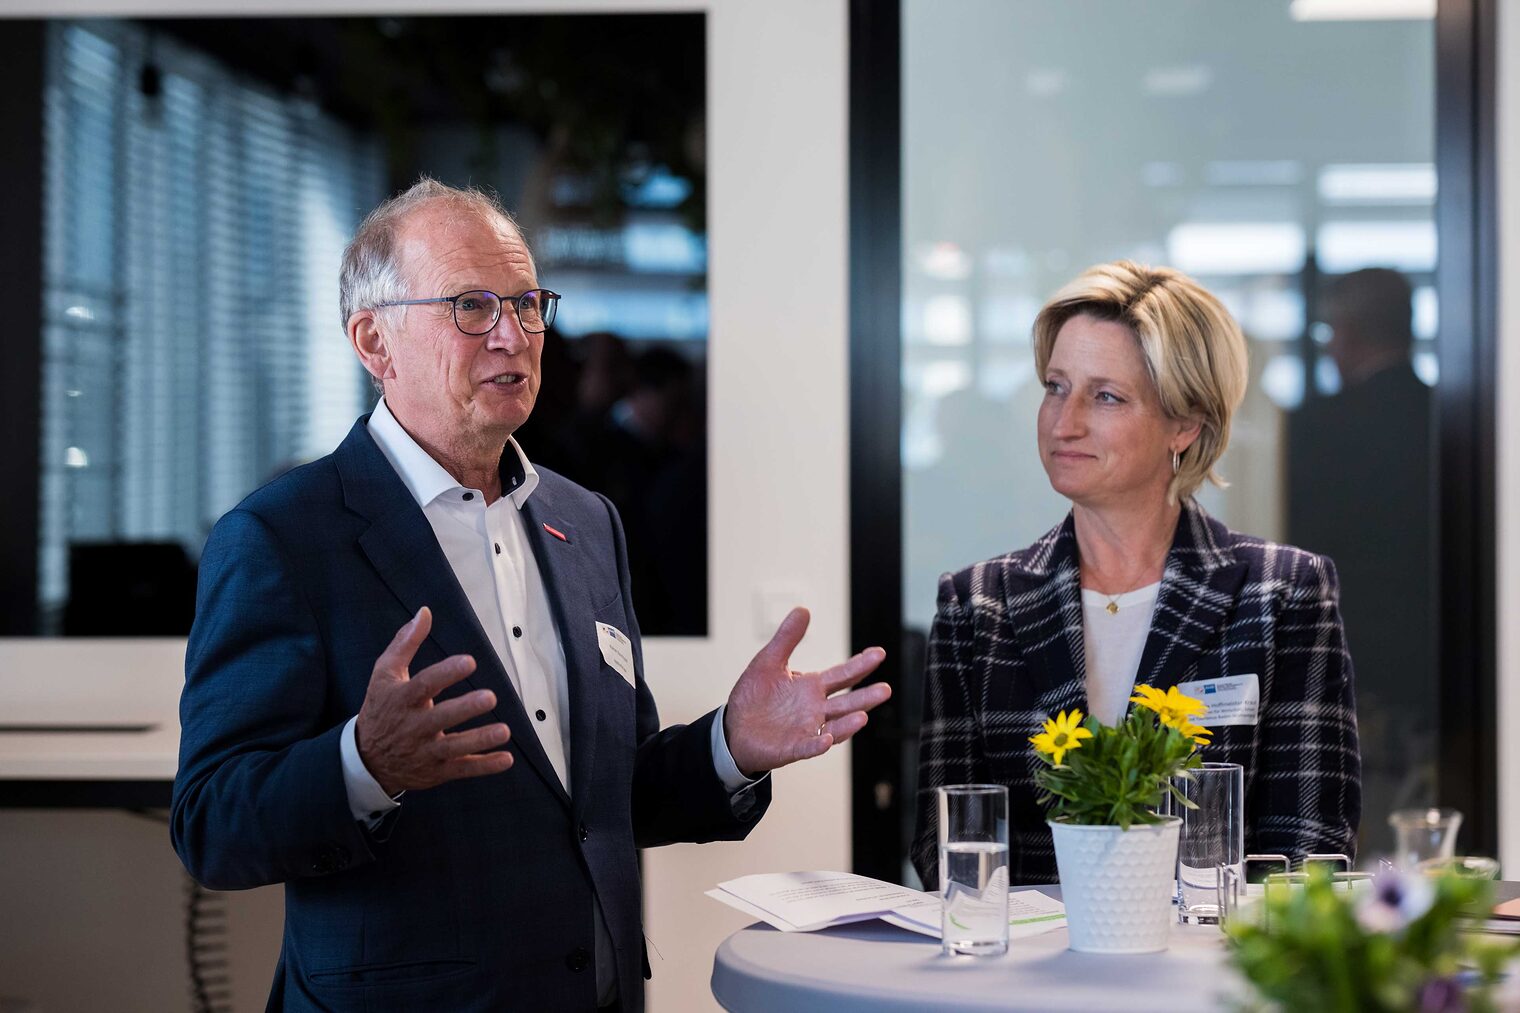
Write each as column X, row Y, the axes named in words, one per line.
column 806, row 901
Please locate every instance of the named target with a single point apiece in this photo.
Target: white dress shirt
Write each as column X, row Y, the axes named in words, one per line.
column 1113, row 643
column 487, row 548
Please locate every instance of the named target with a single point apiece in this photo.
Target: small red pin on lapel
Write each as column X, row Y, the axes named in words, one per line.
column 556, row 533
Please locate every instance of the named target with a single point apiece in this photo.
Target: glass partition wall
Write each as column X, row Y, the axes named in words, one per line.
column 1286, row 162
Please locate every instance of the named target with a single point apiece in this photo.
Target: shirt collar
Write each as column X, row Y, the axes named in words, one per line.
column 426, row 479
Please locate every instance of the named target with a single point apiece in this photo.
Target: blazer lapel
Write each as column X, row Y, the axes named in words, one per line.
column 1198, row 594
column 401, row 546
column 568, row 579
column 1043, row 603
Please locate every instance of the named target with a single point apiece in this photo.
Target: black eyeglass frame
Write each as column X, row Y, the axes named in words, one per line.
column 550, row 303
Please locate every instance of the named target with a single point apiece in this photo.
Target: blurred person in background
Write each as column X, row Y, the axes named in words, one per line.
column 1361, row 488
column 651, row 456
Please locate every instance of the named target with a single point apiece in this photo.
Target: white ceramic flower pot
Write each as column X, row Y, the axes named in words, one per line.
column 1117, row 885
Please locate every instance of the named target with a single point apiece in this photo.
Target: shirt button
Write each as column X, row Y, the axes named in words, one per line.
column 517, row 631
column 498, row 548
column 469, row 496
column 541, row 715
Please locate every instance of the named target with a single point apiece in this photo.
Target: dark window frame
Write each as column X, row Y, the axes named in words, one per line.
column 1466, row 423
column 22, row 52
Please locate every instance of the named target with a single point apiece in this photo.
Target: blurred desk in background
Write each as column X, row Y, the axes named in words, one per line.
column 89, row 723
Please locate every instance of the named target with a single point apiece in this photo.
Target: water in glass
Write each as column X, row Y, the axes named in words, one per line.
column 974, row 895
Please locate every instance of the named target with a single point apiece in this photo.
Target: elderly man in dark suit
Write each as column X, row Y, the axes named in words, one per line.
column 415, row 687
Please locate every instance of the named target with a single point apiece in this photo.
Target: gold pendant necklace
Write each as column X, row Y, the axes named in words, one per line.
column 1112, row 608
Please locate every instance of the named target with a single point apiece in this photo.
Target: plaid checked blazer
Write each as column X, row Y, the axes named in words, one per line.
column 1006, row 652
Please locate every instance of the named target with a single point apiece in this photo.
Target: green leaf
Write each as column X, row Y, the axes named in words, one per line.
column 1121, row 775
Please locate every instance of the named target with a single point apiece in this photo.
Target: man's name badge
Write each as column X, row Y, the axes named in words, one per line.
column 617, row 651
column 1231, row 701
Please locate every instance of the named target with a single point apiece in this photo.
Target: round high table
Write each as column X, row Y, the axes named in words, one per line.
column 872, row 966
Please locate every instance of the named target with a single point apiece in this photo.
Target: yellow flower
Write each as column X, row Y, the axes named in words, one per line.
column 1062, row 734
column 1197, row 733
column 1175, row 709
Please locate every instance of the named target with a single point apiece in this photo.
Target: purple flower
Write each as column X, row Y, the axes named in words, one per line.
column 1396, row 899
column 1441, row 995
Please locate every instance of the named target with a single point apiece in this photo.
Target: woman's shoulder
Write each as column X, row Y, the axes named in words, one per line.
column 1018, row 570
column 1265, row 559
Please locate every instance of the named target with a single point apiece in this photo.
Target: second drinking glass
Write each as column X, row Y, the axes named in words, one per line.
column 973, row 868
column 1212, row 838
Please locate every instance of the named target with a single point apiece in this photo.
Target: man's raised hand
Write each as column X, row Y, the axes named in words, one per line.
column 776, row 716
column 401, row 733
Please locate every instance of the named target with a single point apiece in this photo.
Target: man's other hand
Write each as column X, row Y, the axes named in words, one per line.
column 776, row 716
column 401, row 732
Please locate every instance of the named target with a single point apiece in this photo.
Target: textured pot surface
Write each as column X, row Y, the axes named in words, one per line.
column 1117, row 885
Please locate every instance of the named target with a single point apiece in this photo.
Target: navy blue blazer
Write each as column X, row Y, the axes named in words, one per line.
column 1006, row 652
column 476, row 894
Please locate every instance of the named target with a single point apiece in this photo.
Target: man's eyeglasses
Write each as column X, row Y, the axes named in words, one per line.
column 477, row 311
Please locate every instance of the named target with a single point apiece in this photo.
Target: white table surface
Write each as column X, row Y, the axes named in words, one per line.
column 873, row 966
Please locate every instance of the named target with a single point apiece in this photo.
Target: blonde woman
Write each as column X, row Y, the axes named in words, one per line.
column 1143, row 370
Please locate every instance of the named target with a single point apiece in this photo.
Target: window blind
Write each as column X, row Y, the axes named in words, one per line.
column 193, row 225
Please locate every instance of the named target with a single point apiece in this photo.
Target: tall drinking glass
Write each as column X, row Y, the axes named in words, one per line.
column 973, row 868
column 1213, row 839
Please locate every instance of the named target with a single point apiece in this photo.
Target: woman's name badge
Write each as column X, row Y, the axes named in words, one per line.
column 617, row 651
column 1231, row 701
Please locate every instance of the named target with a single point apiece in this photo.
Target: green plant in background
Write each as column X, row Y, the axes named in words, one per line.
column 1101, row 775
column 1398, row 945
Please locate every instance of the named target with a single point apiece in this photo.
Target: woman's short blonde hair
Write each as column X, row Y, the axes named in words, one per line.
column 1193, row 349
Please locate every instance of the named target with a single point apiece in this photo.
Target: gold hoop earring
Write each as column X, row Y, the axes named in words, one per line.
column 1176, row 462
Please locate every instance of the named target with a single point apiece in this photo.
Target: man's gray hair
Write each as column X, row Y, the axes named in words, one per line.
column 370, row 274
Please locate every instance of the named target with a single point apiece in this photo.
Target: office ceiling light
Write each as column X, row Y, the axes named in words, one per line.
column 1178, row 82
column 947, row 320
column 944, row 377
column 1362, row 10
column 1393, row 183
column 1215, row 248
column 1401, row 245
column 1282, row 380
column 1427, row 367
column 1271, row 314
column 664, row 247
column 946, row 261
column 1426, row 313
